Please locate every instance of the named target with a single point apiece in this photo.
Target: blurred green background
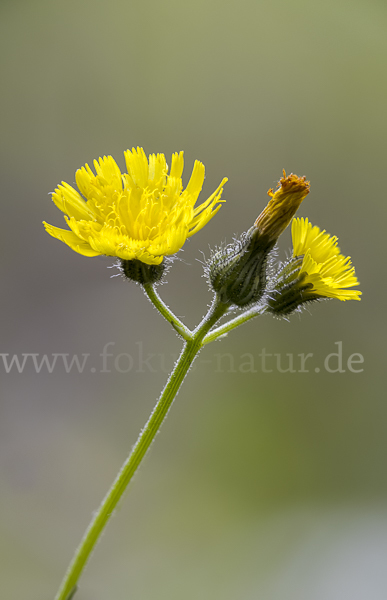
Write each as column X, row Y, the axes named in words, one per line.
column 260, row 485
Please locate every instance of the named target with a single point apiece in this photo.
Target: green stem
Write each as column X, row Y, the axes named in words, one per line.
column 226, row 327
column 178, row 325
column 105, row 511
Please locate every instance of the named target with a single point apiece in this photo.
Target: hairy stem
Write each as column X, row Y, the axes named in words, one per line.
column 147, row 435
column 166, row 312
column 226, row 327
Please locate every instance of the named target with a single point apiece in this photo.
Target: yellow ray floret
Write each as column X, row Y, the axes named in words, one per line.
column 328, row 272
column 143, row 214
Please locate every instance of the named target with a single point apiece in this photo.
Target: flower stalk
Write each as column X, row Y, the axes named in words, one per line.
column 103, row 514
column 166, row 312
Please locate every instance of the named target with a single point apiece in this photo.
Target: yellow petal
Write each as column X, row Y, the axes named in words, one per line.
column 69, row 238
column 71, row 202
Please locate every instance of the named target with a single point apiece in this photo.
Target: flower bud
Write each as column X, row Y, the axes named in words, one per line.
column 237, row 273
column 282, row 206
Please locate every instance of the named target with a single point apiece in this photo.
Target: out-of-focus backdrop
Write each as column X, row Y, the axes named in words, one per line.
column 262, row 483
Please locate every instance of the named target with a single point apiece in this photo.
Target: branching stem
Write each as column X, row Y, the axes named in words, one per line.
column 193, row 344
column 226, row 327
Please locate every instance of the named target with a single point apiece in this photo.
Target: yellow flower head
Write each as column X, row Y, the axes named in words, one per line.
column 325, row 271
column 143, row 214
column 282, row 206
